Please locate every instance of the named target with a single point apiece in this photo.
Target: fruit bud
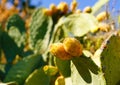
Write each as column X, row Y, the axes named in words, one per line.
column 63, row 7
column 50, row 70
column 47, row 12
column 60, row 81
column 87, row 9
column 73, row 5
column 72, row 46
column 102, row 16
column 53, row 8
column 78, row 11
column 57, row 49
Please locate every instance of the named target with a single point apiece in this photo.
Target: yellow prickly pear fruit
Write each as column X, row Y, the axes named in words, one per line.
column 87, row 9
column 94, row 29
column 73, row 5
column 102, row 16
column 47, row 12
column 57, row 49
column 72, row 46
column 104, row 27
column 53, row 8
column 63, row 7
column 60, row 81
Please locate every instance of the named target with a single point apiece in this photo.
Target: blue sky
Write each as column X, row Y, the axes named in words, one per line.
column 81, row 3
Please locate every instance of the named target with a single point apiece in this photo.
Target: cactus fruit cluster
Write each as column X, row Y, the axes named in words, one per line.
column 70, row 48
column 59, row 45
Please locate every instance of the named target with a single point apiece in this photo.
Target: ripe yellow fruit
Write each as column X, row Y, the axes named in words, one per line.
column 53, row 8
column 47, row 12
column 73, row 5
column 104, row 27
column 72, row 46
column 87, row 9
column 60, row 81
column 102, row 16
column 57, row 49
column 94, row 29
column 63, row 7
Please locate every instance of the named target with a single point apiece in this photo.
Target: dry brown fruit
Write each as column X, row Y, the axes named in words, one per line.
column 72, row 46
column 57, row 49
column 102, row 16
column 87, row 9
column 63, row 7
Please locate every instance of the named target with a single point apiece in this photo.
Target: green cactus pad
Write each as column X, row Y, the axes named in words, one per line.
column 63, row 67
column 20, row 71
column 38, row 77
column 110, row 61
column 9, row 47
column 40, row 31
column 16, row 21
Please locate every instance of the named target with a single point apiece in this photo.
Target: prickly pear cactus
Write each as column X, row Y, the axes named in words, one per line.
column 40, row 31
column 110, row 61
column 16, row 21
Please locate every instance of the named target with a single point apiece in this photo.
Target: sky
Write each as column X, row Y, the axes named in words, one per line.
column 81, row 3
